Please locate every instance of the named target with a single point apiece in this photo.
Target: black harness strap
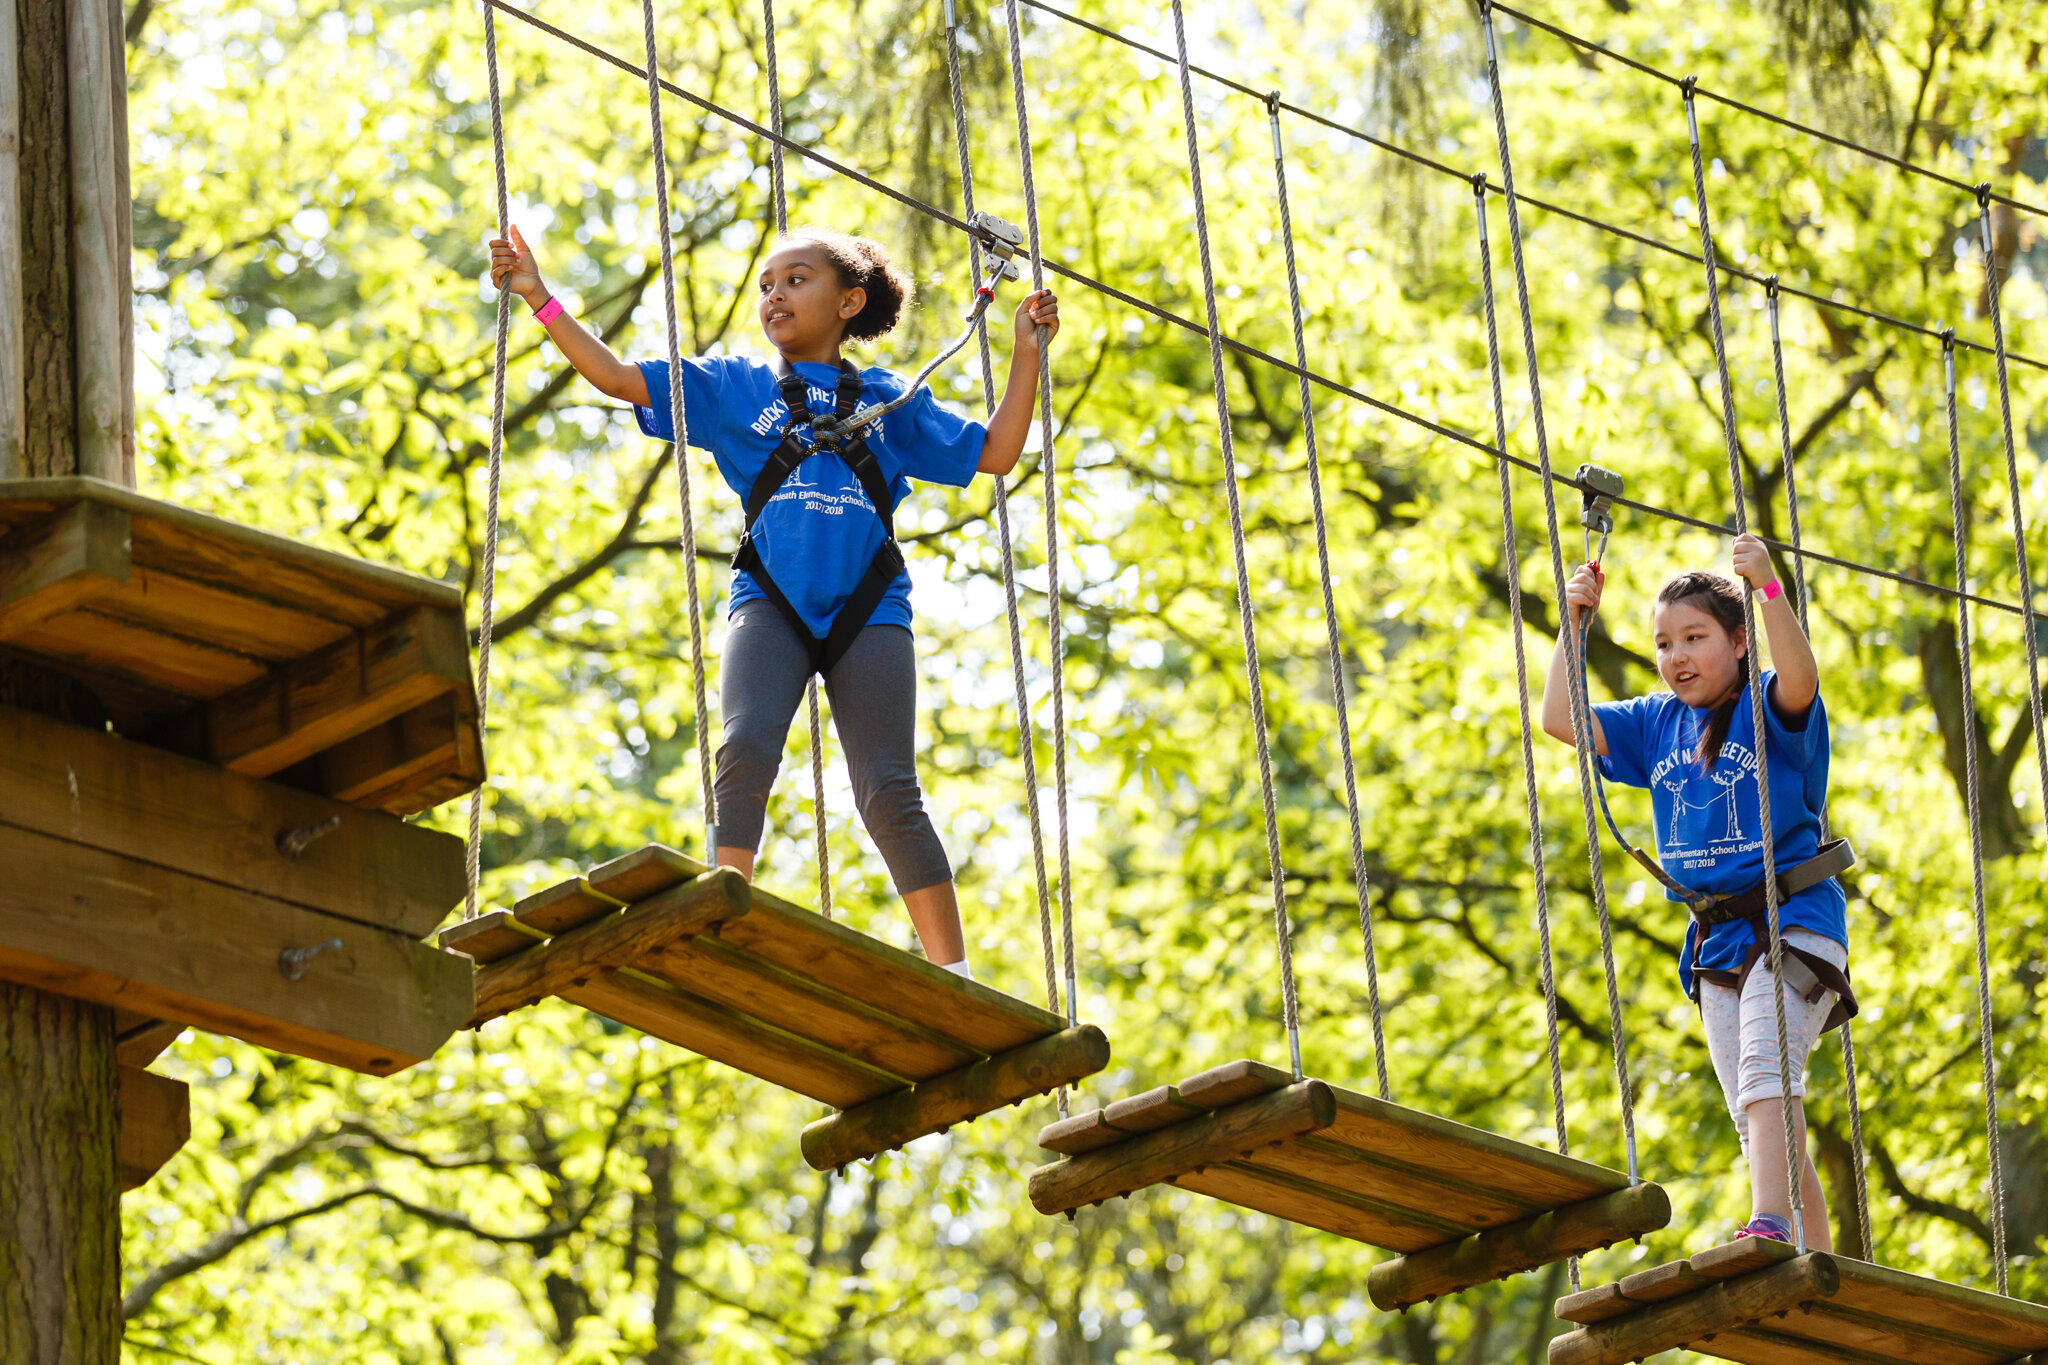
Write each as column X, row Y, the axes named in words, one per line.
column 828, row 433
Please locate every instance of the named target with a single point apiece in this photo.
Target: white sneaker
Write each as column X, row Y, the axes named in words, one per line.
column 959, row 968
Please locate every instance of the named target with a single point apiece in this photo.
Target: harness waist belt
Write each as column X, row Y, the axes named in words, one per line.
column 1835, row 856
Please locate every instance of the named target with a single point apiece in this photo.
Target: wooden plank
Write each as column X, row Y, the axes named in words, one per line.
column 1225, row 1085
column 739, row 981
column 1883, row 1334
column 2014, row 1324
column 491, row 937
column 429, row 792
column 642, row 873
column 1541, row 1177
column 120, row 932
column 155, row 1114
column 564, row 906
column 1151, row 1158
column 315, row 703
column 91, row 641
column 1718, row 1308
column 1160, row 1107
column 1499, row 1252
column 1769, row 1345
column 72, row 554
column 1739, row 1257
column 886, row 977
column 775, row 1055
column 141, row 1042
column 617, row 941
column 388, row 765
column 1673, row 1279
column 935, row 1105
column 1597, row 1304
column 1079, row 1133
column 1398, row 1184
column 1661, row 1282
column 86, row 786
column 241, row 618
column 1318, row 1206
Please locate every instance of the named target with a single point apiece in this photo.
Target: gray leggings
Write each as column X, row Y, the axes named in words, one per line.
column 873, row 689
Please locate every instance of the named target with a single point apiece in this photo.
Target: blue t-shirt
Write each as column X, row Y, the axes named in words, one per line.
column 1709, row 824
column 819, row 532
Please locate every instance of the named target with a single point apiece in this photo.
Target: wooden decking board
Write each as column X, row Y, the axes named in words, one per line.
column 1535, row 1174
column 1156, row 1108
column 85, row 638
column 1080, row 1133
column 2017, row 1325
column 1232, row 1081
column 1402, row 1184
column 1772, row 1342
column 1282, row 1165
column 565, row 905
column 645, row 871
column 241, row 617
column 1833, row 1322
column 1315, row 1206
column 491, row 937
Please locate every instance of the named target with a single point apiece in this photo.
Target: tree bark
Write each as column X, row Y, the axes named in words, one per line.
column 49, row 408
column 11, row 466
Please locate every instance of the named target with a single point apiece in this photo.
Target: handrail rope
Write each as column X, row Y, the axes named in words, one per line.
column 1339, row 689
column 678, row 426
column 1581, row 707
column 1818, row 299
column 1971, row 796
column 1993, row 290
column 1802, row 601
column 1781, row 120
column 1027, row 736
column 1243, row 348
column 1757, row 701
column 473, row 847
column 1512, row 563
column 1049, row 467
column 776, row 184
column 1282, row 932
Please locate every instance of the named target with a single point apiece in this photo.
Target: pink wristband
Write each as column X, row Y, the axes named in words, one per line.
column 1770, row 591
column 548, row 311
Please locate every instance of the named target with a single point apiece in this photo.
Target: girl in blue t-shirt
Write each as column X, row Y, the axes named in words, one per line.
column 818, row 545
column 1695, row 748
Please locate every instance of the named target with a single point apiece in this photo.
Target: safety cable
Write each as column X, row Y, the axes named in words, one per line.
column 1289, row 1003
column 1049, row 466
column 1339, row 690
column 1027, row 737
column 679, row 428
column 1582, row 715
column 1512, row 564
column 1819, row 298
column 1757, row 702
column 1802, row 601
column 1960, row 534
column 1781, row 120
column 1242, row 348
column 472, row 852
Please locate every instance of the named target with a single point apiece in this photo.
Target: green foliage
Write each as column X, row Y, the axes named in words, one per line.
column 314, row 183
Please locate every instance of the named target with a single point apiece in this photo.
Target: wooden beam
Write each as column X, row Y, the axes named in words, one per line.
column 101, row 295
column 1155, row 1157
column 935, row 1105
column 1674, row 1279
column 13, row 389
column 410, row 763
column 1717, row 1308
column 618, row 941
column 141, row 1042
column 89, row 787
column 1500, row 1252
column 87, row 923
column 76, row 553
column 1361, row 1218
column 156, row 1122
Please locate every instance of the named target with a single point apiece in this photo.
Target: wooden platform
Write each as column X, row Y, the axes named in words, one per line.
column 247, row 650
column 701, row 959
column 1462, row 1205
column 1762, row 1303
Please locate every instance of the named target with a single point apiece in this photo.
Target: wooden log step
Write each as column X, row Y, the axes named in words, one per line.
column 1225, row 1085
column 491, row 937
column 1690, row 1319
column 759, row 1049
column 1079, row 1133
column 1153, row 1158
column 1497, row 1253
column 1158, row 1108
column 155, row 1117
column 565, row 905
column 1674, row 1279
column 934, row 1105
column 643, row 872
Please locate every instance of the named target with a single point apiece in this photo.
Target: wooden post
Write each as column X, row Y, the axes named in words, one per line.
column 65, row 408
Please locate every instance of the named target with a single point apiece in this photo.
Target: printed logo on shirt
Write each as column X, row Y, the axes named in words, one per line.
column 800, row 487
column 776, row 414
column 1707, row 807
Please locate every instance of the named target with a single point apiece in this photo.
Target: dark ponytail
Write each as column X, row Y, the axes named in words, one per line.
column 863, row 263
column 1722, row 599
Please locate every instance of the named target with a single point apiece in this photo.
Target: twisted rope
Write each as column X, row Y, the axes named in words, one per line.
column 1985, row 1032
column 1049, row 458
column 1582, row 720
column 474, row 846
column 1290, row 1006
column 681, row 429
column 1757, row 702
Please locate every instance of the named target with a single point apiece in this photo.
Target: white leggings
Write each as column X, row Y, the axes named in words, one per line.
column 1742, row 1033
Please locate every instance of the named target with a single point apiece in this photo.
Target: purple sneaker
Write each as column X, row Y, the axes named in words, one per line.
column 1765, row 1225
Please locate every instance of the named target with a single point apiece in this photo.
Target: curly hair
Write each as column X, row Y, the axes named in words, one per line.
column 1722, row 599
column 863, row 263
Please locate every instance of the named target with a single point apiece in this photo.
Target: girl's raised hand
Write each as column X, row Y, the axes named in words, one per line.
column 1040, row 308
column 1752, row 561
column 513, row 267
column 1583, row 592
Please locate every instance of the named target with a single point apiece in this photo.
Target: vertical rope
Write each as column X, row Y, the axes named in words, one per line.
column 1338, row 690
column 1049, row 464
column 1027, row 740
column 775, row 180
column 1961, row 531
column 681, row 430
column 1511, row 561
column 1289, row 1004
column 1582, row 724
column 1992, row 291
column 1803, row 602
column 1758, row 720
column 473, row 849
